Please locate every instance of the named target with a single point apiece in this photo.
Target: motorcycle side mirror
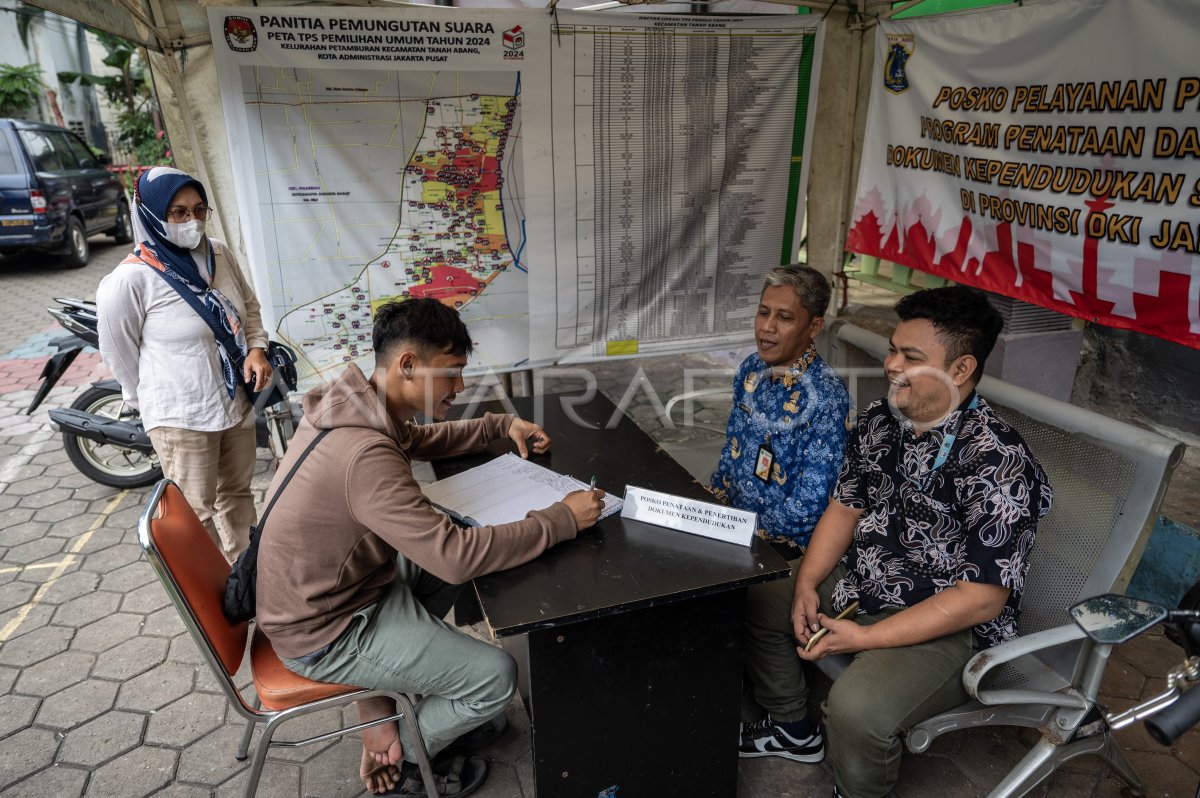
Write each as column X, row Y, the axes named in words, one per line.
column 1113, row 619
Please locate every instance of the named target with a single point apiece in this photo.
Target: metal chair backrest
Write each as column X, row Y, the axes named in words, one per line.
column 1108, row 477
column 193, row 572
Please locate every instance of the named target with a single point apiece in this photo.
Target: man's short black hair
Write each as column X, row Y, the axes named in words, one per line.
column 965, row 320
column 426, row 324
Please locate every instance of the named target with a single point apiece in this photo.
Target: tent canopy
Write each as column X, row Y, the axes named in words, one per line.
column 176, row 35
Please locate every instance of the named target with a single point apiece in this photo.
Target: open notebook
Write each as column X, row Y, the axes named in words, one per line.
column 504, row 490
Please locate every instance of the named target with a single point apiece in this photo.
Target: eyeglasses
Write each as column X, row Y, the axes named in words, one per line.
column 180, row 214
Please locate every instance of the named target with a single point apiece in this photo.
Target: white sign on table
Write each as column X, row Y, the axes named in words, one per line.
column 709, row 520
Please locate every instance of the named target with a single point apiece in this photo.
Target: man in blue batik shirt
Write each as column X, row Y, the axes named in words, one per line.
column 787, row 427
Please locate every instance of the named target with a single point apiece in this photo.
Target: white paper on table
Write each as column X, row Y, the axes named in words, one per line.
column 504, row 490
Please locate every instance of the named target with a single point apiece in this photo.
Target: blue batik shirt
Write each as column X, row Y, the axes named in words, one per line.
column 801, row 416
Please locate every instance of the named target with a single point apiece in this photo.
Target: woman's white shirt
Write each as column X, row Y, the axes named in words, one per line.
column 162, row 352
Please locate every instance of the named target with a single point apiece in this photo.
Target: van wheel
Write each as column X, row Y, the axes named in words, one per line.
column 121, row 233
column 76, row 254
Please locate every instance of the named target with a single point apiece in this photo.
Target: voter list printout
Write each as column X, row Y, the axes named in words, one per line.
column 504, row 490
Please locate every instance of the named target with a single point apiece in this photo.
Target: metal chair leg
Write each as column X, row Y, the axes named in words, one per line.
column 1028, row 773
column 405, row 706
column 414, row 735
column 244, row 745
column 260, row 756
column 1124, row 770
column 1103, row 746
column 1046, row 757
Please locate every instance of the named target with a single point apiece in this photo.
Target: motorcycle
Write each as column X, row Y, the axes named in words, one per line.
column 1111, row 620
column 103, row 435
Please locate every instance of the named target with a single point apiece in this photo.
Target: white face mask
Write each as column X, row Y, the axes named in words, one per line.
column 188, row 235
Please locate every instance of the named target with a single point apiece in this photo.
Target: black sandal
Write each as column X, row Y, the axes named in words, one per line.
column 457, row 776
column 481, row 736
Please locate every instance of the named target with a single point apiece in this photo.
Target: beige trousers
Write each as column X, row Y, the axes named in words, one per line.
column 213, row 469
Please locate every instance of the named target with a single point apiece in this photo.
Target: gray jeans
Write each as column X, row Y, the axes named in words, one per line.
column 880, row 696
column 401, row 643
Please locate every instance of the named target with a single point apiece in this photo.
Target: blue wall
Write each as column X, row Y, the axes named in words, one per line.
column 1170, row 565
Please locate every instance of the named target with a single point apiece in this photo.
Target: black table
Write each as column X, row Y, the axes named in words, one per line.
column 628, row 638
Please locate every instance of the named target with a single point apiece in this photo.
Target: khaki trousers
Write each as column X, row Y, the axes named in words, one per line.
column 213, row 469
column 881, row 695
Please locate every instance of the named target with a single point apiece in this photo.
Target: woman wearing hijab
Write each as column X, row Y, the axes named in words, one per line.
column 181, row 331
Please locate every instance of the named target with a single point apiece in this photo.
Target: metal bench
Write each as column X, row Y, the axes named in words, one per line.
column 1109, row 478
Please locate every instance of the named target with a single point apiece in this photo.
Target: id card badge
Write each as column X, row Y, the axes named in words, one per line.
column 762, row 466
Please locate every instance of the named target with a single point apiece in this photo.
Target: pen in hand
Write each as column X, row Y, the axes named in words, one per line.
column 592, row 484
column 824, row 630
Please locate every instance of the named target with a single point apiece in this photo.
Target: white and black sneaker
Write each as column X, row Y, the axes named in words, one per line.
column 766, row 738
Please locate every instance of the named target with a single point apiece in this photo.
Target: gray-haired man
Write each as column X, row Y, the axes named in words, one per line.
column 786, row 436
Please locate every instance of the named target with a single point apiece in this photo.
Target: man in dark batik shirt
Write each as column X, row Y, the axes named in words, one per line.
column 929, row 529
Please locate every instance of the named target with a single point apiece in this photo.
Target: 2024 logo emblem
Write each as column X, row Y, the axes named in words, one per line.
column 240, row 34
column 513, row 41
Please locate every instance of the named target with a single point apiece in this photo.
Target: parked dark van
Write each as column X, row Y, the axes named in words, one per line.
column 54, row 193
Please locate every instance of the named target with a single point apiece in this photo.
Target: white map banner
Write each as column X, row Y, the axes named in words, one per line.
column 456, row 154
column 379, row 154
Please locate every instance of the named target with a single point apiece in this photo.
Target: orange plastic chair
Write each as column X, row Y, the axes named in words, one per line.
column 193, row 572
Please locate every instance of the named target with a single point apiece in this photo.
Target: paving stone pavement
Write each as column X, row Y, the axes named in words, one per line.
column 102, row 692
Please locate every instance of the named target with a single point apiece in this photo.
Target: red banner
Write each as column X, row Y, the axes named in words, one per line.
column 1058, row 164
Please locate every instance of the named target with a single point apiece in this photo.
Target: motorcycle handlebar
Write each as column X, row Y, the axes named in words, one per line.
column 1171, row 722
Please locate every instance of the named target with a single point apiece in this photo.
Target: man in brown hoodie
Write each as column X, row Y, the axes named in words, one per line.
column 355, row 566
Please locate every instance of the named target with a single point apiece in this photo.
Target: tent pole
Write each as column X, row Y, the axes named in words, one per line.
column 175, row 79
column 845, row 206
column 891, row 12
column 137, row 14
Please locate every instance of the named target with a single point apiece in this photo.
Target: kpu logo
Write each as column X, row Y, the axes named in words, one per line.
column 240, row 34
column 513, row 40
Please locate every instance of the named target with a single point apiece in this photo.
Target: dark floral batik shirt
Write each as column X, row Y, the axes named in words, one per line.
column 973, row 519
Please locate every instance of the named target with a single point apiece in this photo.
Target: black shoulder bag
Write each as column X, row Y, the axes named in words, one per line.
column 239, row 603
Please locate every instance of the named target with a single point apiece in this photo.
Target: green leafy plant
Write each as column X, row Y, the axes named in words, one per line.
column 131, row 91
column 20, row 87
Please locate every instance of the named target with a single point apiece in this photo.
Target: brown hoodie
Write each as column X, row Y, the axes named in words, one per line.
column 329, row 546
